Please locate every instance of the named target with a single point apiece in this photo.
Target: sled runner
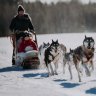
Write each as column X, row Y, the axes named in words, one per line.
column 25, row 51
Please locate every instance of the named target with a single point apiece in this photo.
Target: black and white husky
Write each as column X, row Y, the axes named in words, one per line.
column 85, row 55
column 52, row 55
column 42, row 49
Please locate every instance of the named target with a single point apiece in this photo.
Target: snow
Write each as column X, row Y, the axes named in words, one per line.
column 55, row 1
column 48, row 1
column 17, row 82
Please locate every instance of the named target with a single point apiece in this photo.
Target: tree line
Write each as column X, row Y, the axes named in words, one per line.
column 54, row 18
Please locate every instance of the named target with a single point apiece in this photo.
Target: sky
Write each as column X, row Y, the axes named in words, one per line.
column 55, row 1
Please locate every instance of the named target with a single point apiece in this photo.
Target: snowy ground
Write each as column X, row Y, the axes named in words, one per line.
column 18, row 82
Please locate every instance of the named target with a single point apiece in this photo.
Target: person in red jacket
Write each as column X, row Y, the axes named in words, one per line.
column 27, row 44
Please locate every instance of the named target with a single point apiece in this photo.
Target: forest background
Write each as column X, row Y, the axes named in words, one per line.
column 60, row 17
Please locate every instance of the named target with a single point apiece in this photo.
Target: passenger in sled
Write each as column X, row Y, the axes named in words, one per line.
column 20, row 23
column 27, row 49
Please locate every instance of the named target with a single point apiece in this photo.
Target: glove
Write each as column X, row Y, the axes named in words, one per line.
column 32, row 31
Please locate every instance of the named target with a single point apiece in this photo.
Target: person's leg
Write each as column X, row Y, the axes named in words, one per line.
column 13, row 55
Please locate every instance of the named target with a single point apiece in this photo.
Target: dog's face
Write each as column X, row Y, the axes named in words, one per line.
column 71, row 53
column 88, row 42
column 45, row 45
column 55, row 45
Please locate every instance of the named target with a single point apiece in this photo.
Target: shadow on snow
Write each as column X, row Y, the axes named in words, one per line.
column 67, row 85
column 8, row 69
column 35, row 75
column 91, row 91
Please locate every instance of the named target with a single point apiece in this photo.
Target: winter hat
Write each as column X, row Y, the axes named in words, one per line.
column 21, row 8
column 27, row 34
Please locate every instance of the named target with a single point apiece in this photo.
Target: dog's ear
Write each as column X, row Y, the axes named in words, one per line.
column 57, row 40
column 48, row 43
column 52, row 41
column 91, row 38
column 43, row 43
column 85, row 37
column 70, row 49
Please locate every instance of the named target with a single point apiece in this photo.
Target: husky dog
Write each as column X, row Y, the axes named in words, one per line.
column 43, row 46
column 68, row 59
column 84, row 54
column 41, row 52
column 62, row 54
column 52, row 55
column 63, row 48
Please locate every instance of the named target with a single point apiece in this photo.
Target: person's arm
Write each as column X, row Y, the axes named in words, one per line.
column 12, row 25
column 31, row 27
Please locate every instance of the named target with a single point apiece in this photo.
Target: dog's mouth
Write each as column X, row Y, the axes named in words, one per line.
column 89, row 47
column 57, row 49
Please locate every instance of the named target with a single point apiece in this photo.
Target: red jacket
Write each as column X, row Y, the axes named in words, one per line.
column 26, row 43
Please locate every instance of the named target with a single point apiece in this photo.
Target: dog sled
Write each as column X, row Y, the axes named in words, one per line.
column 28, row 59
column 31, row 62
